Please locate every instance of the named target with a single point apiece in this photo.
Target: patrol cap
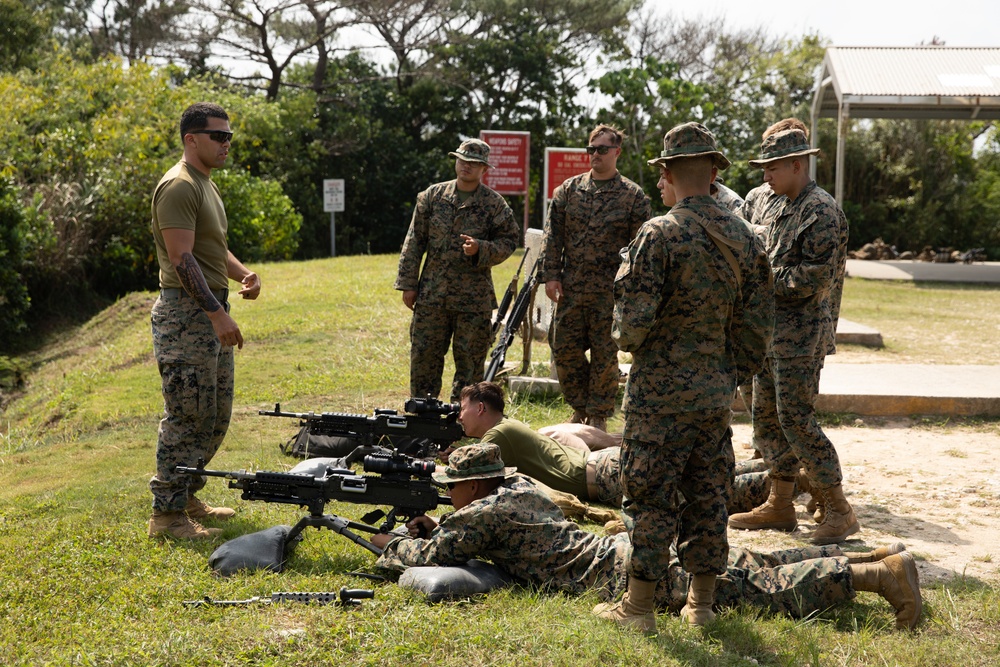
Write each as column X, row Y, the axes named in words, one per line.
column 480, row 460
column 690, row 140
column 778, row 146
column 473, row 150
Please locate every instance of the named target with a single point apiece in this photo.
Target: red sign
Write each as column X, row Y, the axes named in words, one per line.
column 563, row 163
column 509, row 152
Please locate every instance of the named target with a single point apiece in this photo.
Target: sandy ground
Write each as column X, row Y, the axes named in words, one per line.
column 936, row 488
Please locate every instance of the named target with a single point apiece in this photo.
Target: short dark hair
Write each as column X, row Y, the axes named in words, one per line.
column 196, row 116
column 488, row 393
column 617, row 136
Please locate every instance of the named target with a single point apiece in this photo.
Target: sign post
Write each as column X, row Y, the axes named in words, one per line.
column 333, row 203
column 509, row 154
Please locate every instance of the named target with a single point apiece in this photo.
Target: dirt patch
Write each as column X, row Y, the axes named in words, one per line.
column 934, row 488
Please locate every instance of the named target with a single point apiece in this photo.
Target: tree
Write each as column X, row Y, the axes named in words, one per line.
column 21, row 33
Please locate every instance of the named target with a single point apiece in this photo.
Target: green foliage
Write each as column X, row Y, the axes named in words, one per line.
column 21, row 34
column 263, row 224
column 14, row 299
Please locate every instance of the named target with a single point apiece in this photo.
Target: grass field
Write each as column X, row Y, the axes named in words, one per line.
column 81, row 584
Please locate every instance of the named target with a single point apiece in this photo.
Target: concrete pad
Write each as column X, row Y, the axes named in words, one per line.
column 876, row 389
column 981, row 272
column 909, row 389
column 858, row 334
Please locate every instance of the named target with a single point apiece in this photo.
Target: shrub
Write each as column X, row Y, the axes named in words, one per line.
column 14, row 301
column 263, row 224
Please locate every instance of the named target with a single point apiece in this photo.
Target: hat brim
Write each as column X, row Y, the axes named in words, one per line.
column 762, row 161
column 468, row 158
column 443, row 477
column 720, row 160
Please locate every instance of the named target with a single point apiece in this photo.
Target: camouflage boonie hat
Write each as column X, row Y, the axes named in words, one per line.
column 473, row 150
column 477, row 461
column 689, row 140
column 780, row 145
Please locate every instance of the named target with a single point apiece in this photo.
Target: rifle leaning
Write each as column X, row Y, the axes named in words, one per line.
column 517, row 315
column 508, row 296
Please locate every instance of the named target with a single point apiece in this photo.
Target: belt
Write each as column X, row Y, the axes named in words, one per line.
column 176, row 293
column 593, row 491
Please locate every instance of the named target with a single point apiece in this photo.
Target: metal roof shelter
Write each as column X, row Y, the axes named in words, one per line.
column 955, row 83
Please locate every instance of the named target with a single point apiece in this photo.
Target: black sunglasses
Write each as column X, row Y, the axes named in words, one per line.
column 221, row 136
column 603, row 150
column 450, row 485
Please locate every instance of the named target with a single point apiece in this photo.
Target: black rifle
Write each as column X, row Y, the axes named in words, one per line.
column 508, row 296
column 348, row 597
column 517, row 315
column 427, row 422
column 393, row 485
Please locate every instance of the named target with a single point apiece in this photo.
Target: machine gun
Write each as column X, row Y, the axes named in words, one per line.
column 348, row 597
column 426, row 423
column 400, row 482
column 521, row 306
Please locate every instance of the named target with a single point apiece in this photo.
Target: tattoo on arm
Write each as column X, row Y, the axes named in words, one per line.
column 193, row 280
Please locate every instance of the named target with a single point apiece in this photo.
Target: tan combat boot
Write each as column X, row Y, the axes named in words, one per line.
column 579, row 417
column 896, row 579
column 178, row 524
column 815, row 505
column 839, row 521
column 199, row 509
column 777, row 512
column 635, row 609
column 880, row 553
column 701, row 596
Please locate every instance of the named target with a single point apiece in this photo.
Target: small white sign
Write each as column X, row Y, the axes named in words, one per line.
column 333, row 195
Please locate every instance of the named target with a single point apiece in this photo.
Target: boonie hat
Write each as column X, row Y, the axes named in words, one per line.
column 480, row 460
column 788, row 143
column 473, row 150
column 690, row 140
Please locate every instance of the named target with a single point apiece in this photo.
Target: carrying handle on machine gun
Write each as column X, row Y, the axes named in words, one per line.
column 508, row 296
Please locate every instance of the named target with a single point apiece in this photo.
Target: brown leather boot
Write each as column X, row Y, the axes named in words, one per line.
column 700, row 598
column 180, row 525
column 896, row 579
column 879, row 553
column 635, row 609
column 815, row 504
column 199, row 509
column 777, row 512
column 839, row 521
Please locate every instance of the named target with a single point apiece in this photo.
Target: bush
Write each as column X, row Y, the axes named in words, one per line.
column 263, row 224
column 14, row 301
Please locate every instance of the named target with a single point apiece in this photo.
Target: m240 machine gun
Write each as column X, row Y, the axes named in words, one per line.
column 426, row 424
column 400, row 482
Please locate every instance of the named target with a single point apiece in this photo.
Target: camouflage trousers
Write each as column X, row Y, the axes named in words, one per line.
column 796, row 582
column 785, row 429
column 750, row 487
column 582, row 322
column 196, row 373
column 686, row 452
column 431, row 331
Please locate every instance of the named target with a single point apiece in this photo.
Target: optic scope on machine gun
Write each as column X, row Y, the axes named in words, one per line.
column 517, row 315
column 427, row 422
column 400, row 482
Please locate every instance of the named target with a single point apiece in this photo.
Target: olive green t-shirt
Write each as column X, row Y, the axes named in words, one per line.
column 185, row 198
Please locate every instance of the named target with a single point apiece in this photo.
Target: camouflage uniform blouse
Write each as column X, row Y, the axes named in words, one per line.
column 587, row 227
column 691, row 327
column 522, row 531
column 806, row 243
column 450, row 279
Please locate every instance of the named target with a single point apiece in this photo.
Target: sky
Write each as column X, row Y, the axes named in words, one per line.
column 858, row 22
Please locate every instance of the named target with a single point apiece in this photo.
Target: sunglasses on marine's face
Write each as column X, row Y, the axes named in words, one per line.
column 219, row 136
column 601, row 150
